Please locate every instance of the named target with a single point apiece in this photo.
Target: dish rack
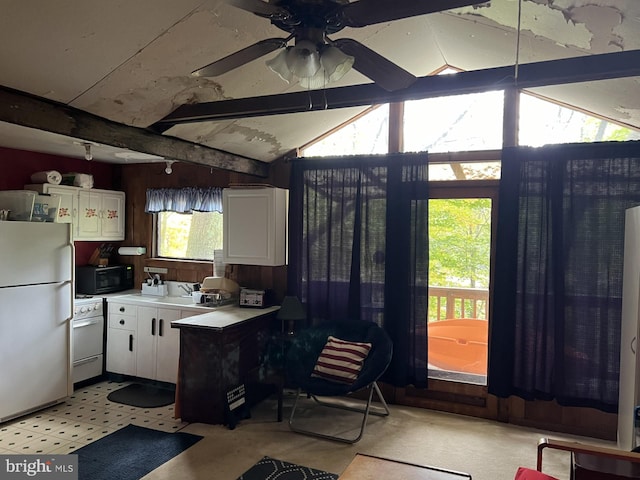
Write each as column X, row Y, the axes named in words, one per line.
column 217, row 299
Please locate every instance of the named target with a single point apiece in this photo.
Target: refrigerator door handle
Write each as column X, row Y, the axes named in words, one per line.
column 633, row 347
column 72, row 273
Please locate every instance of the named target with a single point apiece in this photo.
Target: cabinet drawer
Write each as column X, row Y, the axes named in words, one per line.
column 122, row 309
column 126, row 322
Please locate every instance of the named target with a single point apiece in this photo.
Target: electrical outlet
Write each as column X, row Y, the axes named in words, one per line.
column 155, row 270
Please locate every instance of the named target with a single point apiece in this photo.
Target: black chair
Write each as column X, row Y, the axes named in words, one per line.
column 303, row 353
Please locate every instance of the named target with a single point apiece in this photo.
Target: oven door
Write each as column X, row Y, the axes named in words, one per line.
column 87, row 337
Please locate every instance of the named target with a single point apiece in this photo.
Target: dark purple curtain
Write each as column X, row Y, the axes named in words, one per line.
column 555, row 329
column 359, row 249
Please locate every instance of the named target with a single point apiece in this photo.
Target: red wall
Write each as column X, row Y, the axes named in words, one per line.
column 16, row 167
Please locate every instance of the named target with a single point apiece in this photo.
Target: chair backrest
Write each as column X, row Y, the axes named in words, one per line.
column 307, row 345
column 591, row 462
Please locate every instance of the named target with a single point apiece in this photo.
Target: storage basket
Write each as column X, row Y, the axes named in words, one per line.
column 19, row 203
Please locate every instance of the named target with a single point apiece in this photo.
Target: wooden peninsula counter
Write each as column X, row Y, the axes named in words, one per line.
column 218, row 351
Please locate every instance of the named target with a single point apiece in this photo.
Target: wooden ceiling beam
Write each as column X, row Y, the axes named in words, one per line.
column 553, row 72
column 35, row 112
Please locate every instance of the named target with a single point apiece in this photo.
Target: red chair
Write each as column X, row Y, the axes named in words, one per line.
column 590, row 462
column 529, row 474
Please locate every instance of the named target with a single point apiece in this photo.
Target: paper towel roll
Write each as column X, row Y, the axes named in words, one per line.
column 132, row 251
column 50, row 176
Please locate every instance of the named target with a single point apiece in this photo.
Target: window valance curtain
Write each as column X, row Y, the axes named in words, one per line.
column 557, row 302
column 359, row 249
column 184, row 200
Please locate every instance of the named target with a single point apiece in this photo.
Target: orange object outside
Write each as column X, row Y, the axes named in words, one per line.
column 459, row 345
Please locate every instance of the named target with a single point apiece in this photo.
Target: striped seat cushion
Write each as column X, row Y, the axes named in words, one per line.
column 341, row 360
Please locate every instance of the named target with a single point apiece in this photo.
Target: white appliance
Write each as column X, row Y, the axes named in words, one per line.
column 88, row 338
column 629, row 390
column 36, row 310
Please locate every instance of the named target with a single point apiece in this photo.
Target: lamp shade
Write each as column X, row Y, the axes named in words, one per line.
column 335, row 63
column 291, row 309
column 303, row 59
column 278, row 64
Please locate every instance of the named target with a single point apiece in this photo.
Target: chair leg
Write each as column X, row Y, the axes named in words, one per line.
column 365, row 411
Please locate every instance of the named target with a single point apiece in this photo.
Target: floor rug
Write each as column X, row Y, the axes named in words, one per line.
column 130, row 453
column 143, row 396
column 271, row 469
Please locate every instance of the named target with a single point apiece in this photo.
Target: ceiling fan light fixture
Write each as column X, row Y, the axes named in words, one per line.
column 335, row 63
column 318, row 81
column 303, row 59
column 278, row 64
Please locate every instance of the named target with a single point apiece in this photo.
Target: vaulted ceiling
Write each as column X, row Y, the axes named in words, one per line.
column 107, row 72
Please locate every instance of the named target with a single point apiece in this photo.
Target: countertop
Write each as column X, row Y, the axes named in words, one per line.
column 134, row 297
column 222, row 317
column 212, row 318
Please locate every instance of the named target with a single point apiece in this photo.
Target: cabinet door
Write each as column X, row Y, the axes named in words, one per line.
column 112, row 215
column 147, row 342
column 254, row 225
column 68, row 210
column 168, row 352
column 121, row 350
column 89, row 222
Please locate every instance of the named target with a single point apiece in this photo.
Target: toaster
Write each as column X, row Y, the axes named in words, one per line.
column 254, row 298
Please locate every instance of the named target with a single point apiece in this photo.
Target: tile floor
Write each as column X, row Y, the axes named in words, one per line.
column 85, row 417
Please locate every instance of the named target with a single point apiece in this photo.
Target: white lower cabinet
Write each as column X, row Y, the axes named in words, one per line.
column 158, row 344
column 141, row 342
column 121, row 339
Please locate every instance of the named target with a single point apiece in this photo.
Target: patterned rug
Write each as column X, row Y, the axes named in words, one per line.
column 271, row 469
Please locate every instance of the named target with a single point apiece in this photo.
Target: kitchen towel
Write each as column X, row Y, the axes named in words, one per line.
column 132, row 251
column 49, row 176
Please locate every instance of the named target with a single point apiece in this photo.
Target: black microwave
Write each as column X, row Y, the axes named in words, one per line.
column 96, row 280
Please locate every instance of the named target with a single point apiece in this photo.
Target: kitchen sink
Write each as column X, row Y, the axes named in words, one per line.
column 177, row 301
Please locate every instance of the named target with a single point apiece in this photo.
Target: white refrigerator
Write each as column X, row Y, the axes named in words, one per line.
column 36, row 311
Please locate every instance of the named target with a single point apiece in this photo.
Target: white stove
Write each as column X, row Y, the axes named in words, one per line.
column 88, row 338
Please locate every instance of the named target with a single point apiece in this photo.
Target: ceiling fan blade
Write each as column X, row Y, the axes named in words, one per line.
column 383, row 72
column 260, row 8
column 240, row 57
column 369, row 12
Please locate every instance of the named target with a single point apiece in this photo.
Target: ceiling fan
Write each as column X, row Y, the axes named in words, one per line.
column 314, row 59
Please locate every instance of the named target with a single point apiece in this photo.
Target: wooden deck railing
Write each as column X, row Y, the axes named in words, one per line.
column 456, row 302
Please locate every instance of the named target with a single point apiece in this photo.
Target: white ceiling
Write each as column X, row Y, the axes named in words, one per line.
column 130, row 62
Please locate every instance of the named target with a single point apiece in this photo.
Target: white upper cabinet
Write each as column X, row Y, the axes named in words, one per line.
column 68, row 211
column 100, row 215
column 95, row 214
column 255, row 226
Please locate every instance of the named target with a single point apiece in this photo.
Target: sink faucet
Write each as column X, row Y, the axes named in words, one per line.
column 186, row 288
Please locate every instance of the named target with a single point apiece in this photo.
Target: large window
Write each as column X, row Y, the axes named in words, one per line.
column 367, row 134
column 454, row 124
column 189, row 236
column 545, row 123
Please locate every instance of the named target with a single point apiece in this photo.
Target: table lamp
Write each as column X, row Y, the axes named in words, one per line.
column 291, row 311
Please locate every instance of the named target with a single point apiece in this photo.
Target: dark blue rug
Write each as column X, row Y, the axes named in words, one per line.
column 130, row 453
column 272, row 469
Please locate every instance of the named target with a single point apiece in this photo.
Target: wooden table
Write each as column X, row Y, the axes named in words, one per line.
column 366, row 467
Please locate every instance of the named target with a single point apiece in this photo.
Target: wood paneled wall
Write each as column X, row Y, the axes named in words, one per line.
column 135, row 181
